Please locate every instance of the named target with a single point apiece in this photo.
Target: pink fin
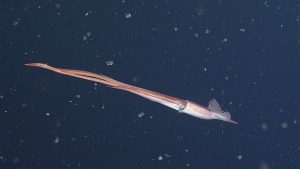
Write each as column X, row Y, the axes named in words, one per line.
column 214, row 106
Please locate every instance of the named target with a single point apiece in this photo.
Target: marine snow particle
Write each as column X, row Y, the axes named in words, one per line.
column 264, row 126
column 284, row 125
column 140, row 115
column 109, row 63
column 128, row 15
column 224, row 40
column 239, row 157
column 77, row 96
column 56, row 140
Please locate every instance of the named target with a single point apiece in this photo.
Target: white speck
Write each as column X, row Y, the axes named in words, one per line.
column 264, row 126
column 128, row 15
column 175, row 29
column 57, row 5
column 88, row 34
column 226, row 78
column 16, row 23
column 102, row 106
column 167, row 155
column 207, row 31
column 95, row 86
column 284, row 125
column 87, row 13
column 266, row 4
column 242, row 30
column 205, row 69
column 1, row 96
column 56, row 140
column 196, row 35
column 48, row 114
column 77, row 96
column 281, row 110
column 263, row 165
column 16, row 160
column 239, row 157
column 188, row 164
column 109, row 63
column 140, row 115
column 186, row 150
column 160, row 158
column 225, row 40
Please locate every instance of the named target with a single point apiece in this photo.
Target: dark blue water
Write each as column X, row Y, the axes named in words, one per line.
column 243, row 53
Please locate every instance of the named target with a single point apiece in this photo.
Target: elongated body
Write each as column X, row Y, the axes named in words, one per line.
column 213, row 111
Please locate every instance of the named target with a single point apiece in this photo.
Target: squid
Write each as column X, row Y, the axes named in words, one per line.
column 213, row 111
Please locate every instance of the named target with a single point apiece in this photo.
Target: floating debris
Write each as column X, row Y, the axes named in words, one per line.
column 239, row 157
column 16, row 22
column 86, row 36
column 284, row 125
column 89, row 34
column 264, row 126
column 109, row 63
column 167, row 155
column 242, row 29
column 56, row 140
column 199, row 10
column 87, row 13
column 207, row 31
column 140, row 115
column 128, row 15
column 77, row 96
column 224, row 40
column 263, row 165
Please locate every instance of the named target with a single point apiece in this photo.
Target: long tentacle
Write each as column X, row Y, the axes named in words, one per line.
column 80, row 74
column 151, row 95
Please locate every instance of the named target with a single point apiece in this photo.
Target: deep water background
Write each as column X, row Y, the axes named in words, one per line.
column 243, row 53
